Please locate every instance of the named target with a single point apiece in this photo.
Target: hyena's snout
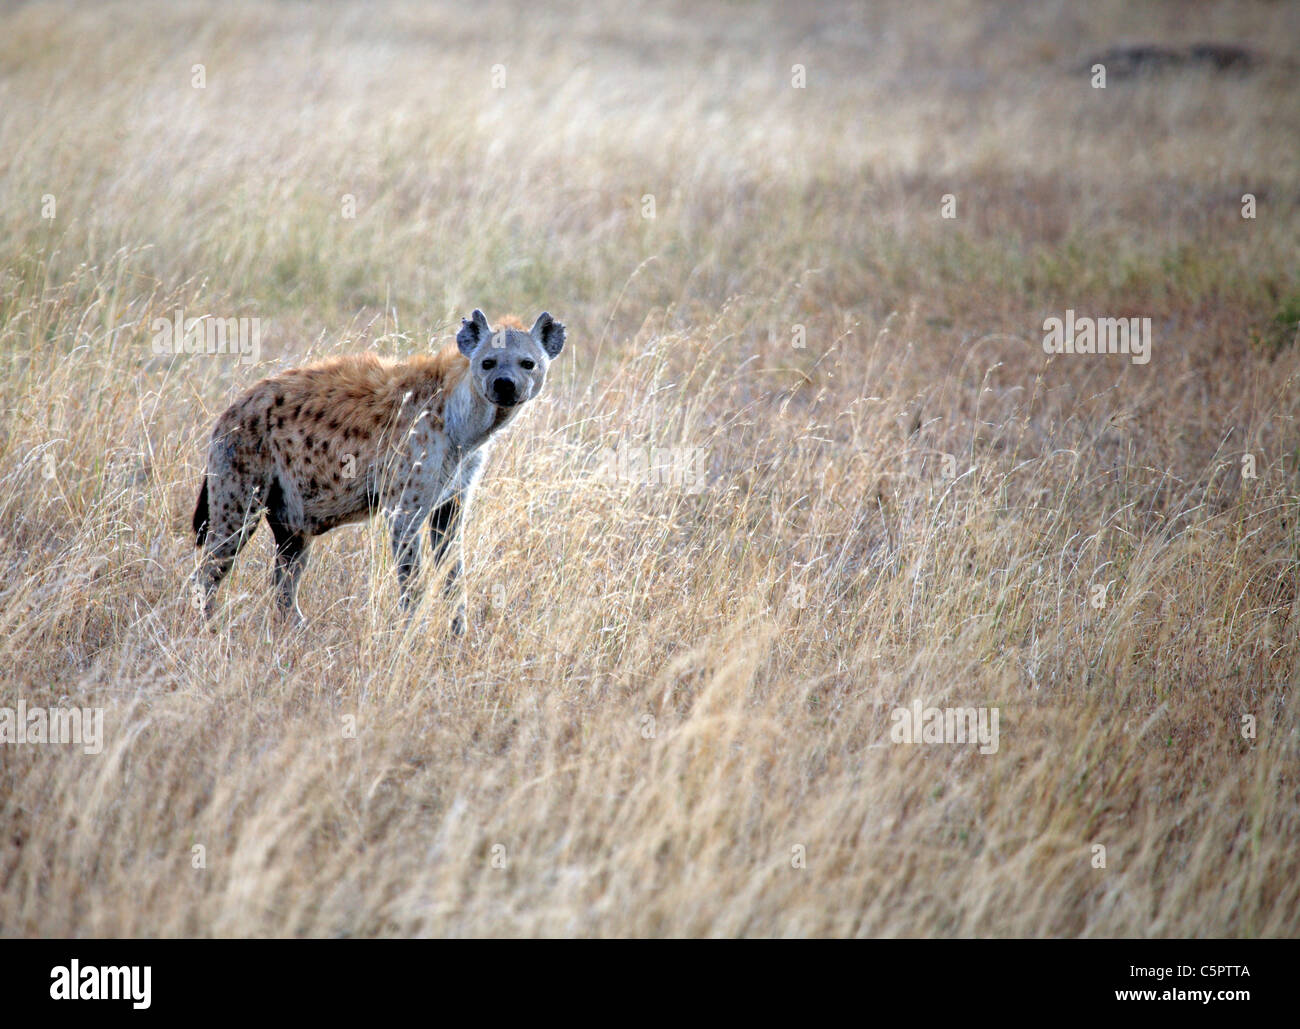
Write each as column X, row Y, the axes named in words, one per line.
column 504, row 392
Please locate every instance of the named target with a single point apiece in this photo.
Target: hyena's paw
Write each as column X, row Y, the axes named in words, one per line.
column 202, row 602
column 409, row 603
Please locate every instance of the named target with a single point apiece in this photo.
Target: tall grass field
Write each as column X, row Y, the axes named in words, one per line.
column 825, row 591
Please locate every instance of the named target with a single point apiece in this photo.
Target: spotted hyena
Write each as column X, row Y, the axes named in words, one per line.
column 331, row 443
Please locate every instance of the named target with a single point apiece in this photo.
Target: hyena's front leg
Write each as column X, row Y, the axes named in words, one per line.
column 404, row 526
column 445, row 532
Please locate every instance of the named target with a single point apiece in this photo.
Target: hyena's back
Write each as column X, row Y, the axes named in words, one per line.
column 308, row 446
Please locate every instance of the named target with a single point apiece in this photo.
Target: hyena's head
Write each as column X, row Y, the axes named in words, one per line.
column 508, row 364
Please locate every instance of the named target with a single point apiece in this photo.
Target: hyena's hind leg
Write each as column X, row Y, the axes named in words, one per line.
column 291, row 545
column 290, row 559
column 225, row 538
column 224, row 519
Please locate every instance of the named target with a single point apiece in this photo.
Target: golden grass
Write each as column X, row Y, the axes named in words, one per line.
column 644, row 721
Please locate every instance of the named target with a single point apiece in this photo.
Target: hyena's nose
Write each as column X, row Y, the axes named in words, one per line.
column 503, row 392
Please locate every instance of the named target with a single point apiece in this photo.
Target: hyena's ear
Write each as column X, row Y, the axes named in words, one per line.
column 549, row 334
column 473, row 331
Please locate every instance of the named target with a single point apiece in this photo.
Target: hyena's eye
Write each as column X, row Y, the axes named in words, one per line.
column 489, row 364
column 527, row 365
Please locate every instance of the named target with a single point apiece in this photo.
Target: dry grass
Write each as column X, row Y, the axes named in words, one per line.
column 646, row 723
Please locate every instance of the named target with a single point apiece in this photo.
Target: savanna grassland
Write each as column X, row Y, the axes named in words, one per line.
column 672, row 712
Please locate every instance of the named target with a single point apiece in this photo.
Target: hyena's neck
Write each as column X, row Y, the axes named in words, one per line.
column 471, row 420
